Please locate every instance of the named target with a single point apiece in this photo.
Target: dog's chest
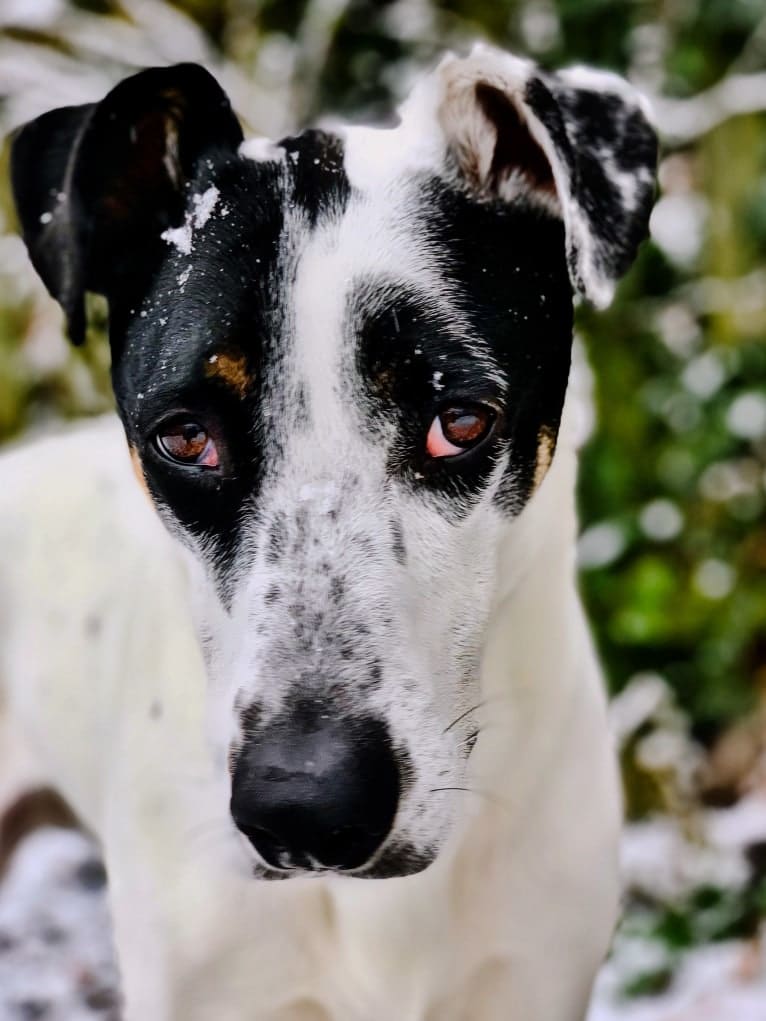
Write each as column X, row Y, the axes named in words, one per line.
column 374, row 955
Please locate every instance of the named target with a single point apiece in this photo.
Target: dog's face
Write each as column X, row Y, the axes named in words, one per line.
column 340, row 361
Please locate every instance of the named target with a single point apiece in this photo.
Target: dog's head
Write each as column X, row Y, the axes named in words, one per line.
column 340, row 361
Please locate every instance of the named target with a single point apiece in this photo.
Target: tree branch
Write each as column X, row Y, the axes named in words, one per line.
column 680, row 121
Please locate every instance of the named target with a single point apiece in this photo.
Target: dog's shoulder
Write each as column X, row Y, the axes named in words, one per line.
column 72, row 497
column 60, row 450
column 80, row 468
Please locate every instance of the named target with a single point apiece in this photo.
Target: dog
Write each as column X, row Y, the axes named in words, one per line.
column 317, row 621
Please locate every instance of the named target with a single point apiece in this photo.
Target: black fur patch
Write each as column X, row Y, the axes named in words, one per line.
column 589, row 130
column 508, row 268
column 319, row 182
column 228, row 294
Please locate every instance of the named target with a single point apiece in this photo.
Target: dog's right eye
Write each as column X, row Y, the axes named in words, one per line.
column 187, row 443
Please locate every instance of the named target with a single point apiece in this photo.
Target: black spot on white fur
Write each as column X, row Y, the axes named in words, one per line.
column 596, row 134
column 398, row 543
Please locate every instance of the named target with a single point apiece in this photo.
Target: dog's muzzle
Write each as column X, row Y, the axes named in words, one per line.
column 311, row 792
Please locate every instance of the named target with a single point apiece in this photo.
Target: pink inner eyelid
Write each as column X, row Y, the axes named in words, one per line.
column 209, row 456
column 437, row 444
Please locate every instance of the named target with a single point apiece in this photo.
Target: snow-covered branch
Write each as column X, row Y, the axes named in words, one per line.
column 314, row 40
column 681, row 121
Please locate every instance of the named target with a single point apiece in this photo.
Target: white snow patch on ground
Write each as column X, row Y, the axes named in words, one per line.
column 715, row 982
column 721, row 982
column 56, row 959
column 660, row 861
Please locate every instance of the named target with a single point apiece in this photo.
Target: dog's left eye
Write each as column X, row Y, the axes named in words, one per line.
column 187, row 443
column 456, row 430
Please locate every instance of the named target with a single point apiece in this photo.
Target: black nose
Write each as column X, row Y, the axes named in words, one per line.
column 312, row 792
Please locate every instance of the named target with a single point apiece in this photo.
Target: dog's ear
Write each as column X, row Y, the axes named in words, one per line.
column 577, row 142
column 96, row 185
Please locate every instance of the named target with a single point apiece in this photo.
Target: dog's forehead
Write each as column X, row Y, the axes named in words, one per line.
column 316, row 316
column 346, row 309
column 275, row 247
column 296, row 230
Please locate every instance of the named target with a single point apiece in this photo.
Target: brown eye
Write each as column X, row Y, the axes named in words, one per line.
column 456, row 430
column 188, row 443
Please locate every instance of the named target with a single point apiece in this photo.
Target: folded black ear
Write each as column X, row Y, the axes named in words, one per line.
column 96, row 185
column 577, row 142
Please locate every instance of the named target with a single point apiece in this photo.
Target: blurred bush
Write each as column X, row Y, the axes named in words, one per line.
column 673, row 486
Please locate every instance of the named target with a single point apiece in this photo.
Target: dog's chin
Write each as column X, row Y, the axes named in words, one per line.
column 394, row 863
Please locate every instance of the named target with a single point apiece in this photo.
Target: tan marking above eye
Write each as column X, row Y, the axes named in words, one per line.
column 546, row 446
column 231, row 369
column 138, row 470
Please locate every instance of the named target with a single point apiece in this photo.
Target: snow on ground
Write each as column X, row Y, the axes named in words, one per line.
column 662, row 863
column 56, row 961
column 720, row 982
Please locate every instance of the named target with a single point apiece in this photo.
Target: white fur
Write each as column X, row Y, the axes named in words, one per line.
column 514, row 917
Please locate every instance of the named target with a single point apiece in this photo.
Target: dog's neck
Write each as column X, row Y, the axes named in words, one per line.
column 538, row 665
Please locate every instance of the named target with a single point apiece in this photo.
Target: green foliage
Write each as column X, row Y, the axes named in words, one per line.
column 668, row 433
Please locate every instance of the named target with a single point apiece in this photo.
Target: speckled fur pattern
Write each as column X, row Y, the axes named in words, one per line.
column 315, row 302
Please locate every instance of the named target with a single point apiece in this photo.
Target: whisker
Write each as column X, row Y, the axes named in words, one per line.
column 463, row 715
column 493, row 799
column 495, row 699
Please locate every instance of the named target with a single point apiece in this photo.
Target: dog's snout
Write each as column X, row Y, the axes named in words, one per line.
column 317, row 794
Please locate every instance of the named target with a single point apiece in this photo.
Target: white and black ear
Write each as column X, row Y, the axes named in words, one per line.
column 577, row 142
column 96, row 185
